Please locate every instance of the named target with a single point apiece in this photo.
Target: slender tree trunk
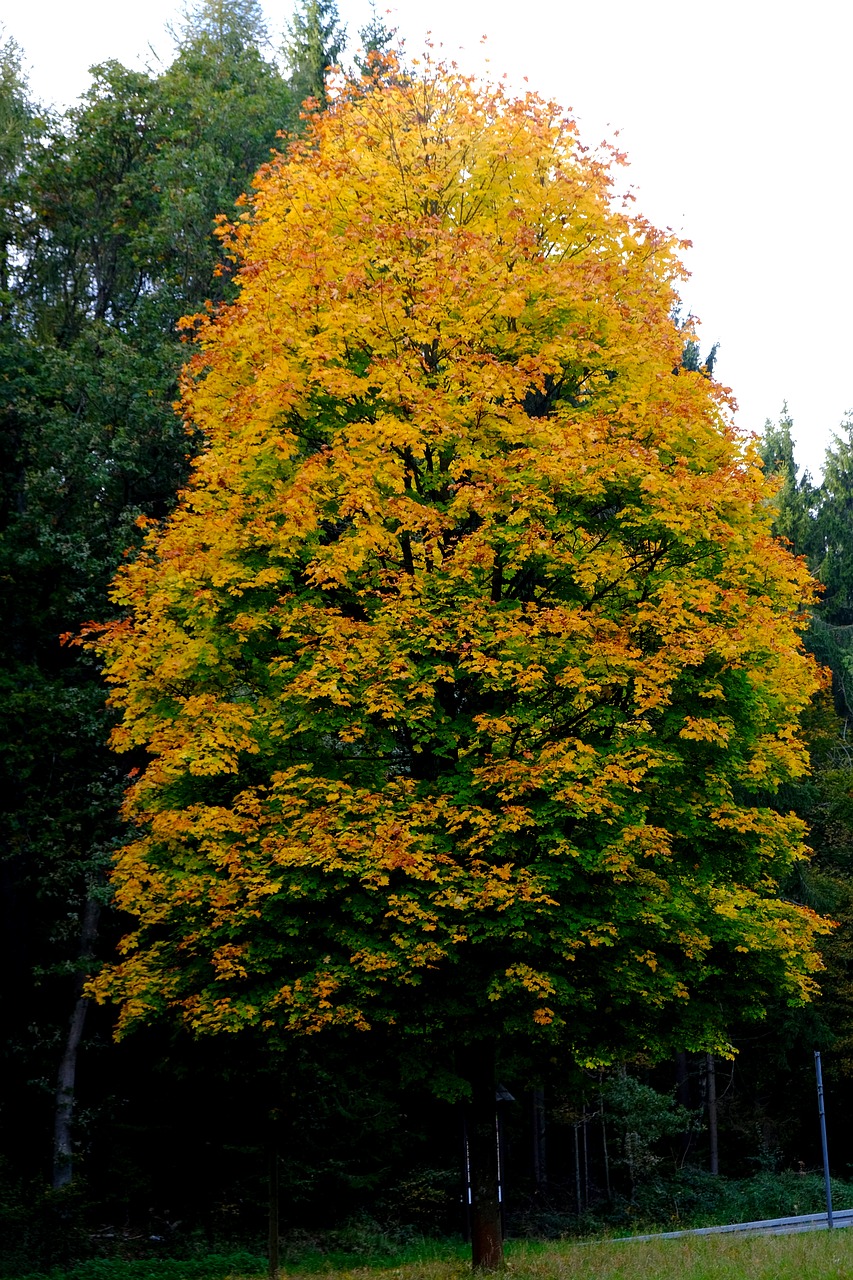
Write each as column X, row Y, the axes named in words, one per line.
column 63, row 1154
column 629, row 1161
column 606, row 1154
column 628, row 1141
column 486, row 1235
column 682, row 1094
column 585, row 1160
column 274, row 1234
column 540, row 1166
column 4, row 282
column 711, row 1100
column 577, row 1170
column 466, row 1180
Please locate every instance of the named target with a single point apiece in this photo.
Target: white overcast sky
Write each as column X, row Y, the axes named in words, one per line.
column 737, row 117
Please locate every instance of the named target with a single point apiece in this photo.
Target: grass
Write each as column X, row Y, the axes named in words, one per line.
column 816, row 1255
column 819, row 1255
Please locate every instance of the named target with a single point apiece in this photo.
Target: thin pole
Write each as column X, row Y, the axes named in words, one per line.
column 822, row 1114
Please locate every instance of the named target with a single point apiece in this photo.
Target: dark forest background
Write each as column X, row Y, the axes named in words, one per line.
column 163, row 1145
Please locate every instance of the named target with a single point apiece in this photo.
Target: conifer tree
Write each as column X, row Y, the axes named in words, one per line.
column 315, row 41
column 796, row 498
column 20, row 128
column 834, row 530
column 377, row 41
column 229, row 26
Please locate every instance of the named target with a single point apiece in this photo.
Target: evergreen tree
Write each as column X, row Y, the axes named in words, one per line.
column 817, row 521
column 691, row 358
column 221, row 106
column 20, row 128
column 834, row 530
column 223, row 26
column 796, row 497
column 377, row 40
column 315, row 40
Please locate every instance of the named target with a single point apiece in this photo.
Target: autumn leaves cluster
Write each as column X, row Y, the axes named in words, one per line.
column 465, row 673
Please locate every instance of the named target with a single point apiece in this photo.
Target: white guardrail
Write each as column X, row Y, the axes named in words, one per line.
column 765, row 1227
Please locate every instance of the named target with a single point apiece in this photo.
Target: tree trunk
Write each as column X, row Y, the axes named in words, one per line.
column 711, row 1100
column 540, row 1167
column 682, row 1094
column 578, row 1199
column 585, row 1160
column 274, row 1264
column 605, row 1154
column 63, row 1154
column 486, row 1235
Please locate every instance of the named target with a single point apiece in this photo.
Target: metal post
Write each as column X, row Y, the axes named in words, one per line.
column 822, row 1115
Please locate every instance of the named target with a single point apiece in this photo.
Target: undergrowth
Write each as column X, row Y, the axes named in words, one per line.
column 362, row 1244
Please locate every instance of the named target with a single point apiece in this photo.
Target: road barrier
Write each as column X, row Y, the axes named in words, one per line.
column 764, row 1227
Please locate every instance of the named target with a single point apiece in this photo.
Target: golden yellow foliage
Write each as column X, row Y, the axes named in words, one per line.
column 467, row 666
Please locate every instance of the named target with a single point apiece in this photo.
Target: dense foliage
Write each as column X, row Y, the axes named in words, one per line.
column 107, row 238
column 524, row 603
column 467, row 658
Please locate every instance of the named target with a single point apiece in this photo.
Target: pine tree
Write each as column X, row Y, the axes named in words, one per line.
column 834, row 530
column 20, row 128
column 227, row 26
column 796, row 498
column 315, row 41
column 377, row 40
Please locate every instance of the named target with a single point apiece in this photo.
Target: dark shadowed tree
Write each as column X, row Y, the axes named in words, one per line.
column 109, row 237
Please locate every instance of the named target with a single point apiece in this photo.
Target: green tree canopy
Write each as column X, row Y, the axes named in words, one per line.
column 108, row 238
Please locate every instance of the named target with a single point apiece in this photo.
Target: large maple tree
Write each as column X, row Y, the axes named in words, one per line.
column 467, row 667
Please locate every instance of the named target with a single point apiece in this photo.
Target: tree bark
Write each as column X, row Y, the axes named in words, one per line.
column 540, row 1166
column 711, row 1101
column 63, row 1152
column 578, row 1198
column 486, row 1235
column 682, row 1094
column 605, row 1153
column 274, row 1264
column 585, row 1159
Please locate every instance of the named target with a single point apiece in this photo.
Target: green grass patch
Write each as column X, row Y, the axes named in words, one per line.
column 818, row 1255
column 212, row 1267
